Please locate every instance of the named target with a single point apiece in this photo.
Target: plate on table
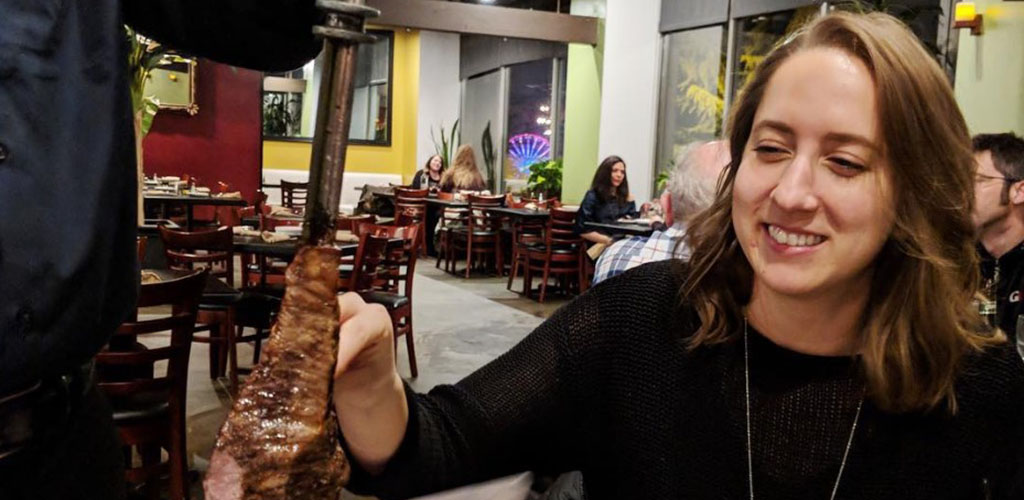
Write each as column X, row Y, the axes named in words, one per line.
column 291, row 231
column 636, row 221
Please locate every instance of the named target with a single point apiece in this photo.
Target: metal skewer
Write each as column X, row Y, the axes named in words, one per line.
column 343, row 31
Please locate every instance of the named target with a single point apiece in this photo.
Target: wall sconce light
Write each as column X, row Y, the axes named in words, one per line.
column 966, row 16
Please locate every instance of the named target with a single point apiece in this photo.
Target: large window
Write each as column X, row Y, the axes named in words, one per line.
column 290, row 99
column 532, row 118
column 692, row 91
column 756, row 36
column 513, row 117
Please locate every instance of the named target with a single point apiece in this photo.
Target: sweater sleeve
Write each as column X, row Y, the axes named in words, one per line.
column 518, row 413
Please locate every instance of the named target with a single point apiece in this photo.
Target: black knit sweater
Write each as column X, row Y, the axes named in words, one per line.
column 606, row 386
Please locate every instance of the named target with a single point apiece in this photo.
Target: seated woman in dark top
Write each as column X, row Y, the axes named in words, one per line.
column 822, row 342
column 608, row 200
column 430, row 175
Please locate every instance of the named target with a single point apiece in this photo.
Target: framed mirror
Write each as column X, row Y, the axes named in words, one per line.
column 173, row 84
column 290, row 98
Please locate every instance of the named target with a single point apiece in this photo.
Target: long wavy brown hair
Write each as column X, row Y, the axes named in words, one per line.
column 463, row 174
column 920, row 320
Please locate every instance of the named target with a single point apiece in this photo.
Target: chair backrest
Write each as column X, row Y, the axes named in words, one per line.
column 404, row 192
column 369, row 263
column 293, row 194
column 140, row 247
column 484, row 220
column 133, row 363
column 400, row 257
column 410, row 205
column 345, row 222
column 260, row 203
column 213, row 250
column 231, row 216
column 560, row 230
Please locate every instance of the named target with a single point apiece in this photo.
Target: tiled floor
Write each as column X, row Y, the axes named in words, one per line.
column 460, row 325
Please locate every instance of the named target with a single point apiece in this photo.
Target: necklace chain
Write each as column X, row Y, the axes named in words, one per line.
column 750, row 453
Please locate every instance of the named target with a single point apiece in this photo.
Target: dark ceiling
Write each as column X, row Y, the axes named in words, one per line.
column 547, row 5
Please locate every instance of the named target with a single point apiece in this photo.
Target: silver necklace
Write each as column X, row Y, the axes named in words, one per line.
column 750, row 453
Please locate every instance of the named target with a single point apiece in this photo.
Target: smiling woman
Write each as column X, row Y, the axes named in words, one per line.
column 821, row 343
column 844, row 222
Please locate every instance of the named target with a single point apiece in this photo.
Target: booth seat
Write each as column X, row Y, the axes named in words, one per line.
column 352, row 184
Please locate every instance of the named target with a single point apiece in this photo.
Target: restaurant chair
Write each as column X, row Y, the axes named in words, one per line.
column 561, row 255
column 149, row 408
column 480, row 238
column 451, row 217
column 387, row 279
column 411, row 208
column 224, row 318
column 140, row 247
column 293, row 194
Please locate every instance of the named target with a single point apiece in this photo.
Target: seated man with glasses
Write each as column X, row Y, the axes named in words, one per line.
column 999, row 218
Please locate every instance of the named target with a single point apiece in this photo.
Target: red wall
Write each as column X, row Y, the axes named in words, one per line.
column 222, row 142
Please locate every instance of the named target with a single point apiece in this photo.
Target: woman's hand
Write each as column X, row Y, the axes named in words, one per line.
column 369, row 397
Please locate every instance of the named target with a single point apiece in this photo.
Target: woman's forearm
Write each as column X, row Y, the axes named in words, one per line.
column 596, row 237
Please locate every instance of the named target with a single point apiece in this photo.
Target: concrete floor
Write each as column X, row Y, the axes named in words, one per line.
column 459, row 324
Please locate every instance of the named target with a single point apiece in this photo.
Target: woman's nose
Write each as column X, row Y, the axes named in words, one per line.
column 795, row 188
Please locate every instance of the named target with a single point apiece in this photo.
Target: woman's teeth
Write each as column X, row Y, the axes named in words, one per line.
column 792, row 239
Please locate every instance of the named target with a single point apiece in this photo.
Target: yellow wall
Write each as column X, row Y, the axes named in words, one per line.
column 400, row 157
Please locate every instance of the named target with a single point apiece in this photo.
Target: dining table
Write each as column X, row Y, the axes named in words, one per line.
column 621, row 228
column 524, row 214
column 163, row 199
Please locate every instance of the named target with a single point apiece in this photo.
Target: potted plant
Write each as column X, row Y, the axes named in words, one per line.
column 545, row 179
column 144, row 56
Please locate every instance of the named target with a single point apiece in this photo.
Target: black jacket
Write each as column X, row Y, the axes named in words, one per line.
column 592, row 209
column 68, row 271
column 1009, row 288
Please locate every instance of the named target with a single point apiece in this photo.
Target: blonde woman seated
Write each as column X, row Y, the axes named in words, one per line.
column 463, row 175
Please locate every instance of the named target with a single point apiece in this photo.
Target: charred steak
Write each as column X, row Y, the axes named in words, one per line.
column 280, row 439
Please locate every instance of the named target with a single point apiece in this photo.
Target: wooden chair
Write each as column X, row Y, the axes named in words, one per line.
column 224, row 318
column 481, row 236
column 411, row 208
column 149, row 411
column 450, row 219
column 392, row 281
column 562, row 254
column 293, row 194
column 523, row 234
column 140, row 247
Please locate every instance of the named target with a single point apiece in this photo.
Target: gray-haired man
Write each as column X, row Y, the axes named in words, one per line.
column 690, row 189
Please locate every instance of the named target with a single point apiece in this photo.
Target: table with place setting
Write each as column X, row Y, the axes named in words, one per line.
column 164, row 191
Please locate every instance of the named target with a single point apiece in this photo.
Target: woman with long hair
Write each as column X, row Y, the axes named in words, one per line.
column 823, row 341
column 429, row 177
column 608, row 200
column 463, row 174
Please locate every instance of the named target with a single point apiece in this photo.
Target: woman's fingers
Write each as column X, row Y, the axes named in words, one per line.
column 364, row 327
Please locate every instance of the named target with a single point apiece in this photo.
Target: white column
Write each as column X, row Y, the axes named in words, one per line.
column 629, row 93
column 440, row 89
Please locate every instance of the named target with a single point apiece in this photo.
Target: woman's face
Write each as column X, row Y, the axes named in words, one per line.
column 812, row 201
column 435, row 163
column 618, row 174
